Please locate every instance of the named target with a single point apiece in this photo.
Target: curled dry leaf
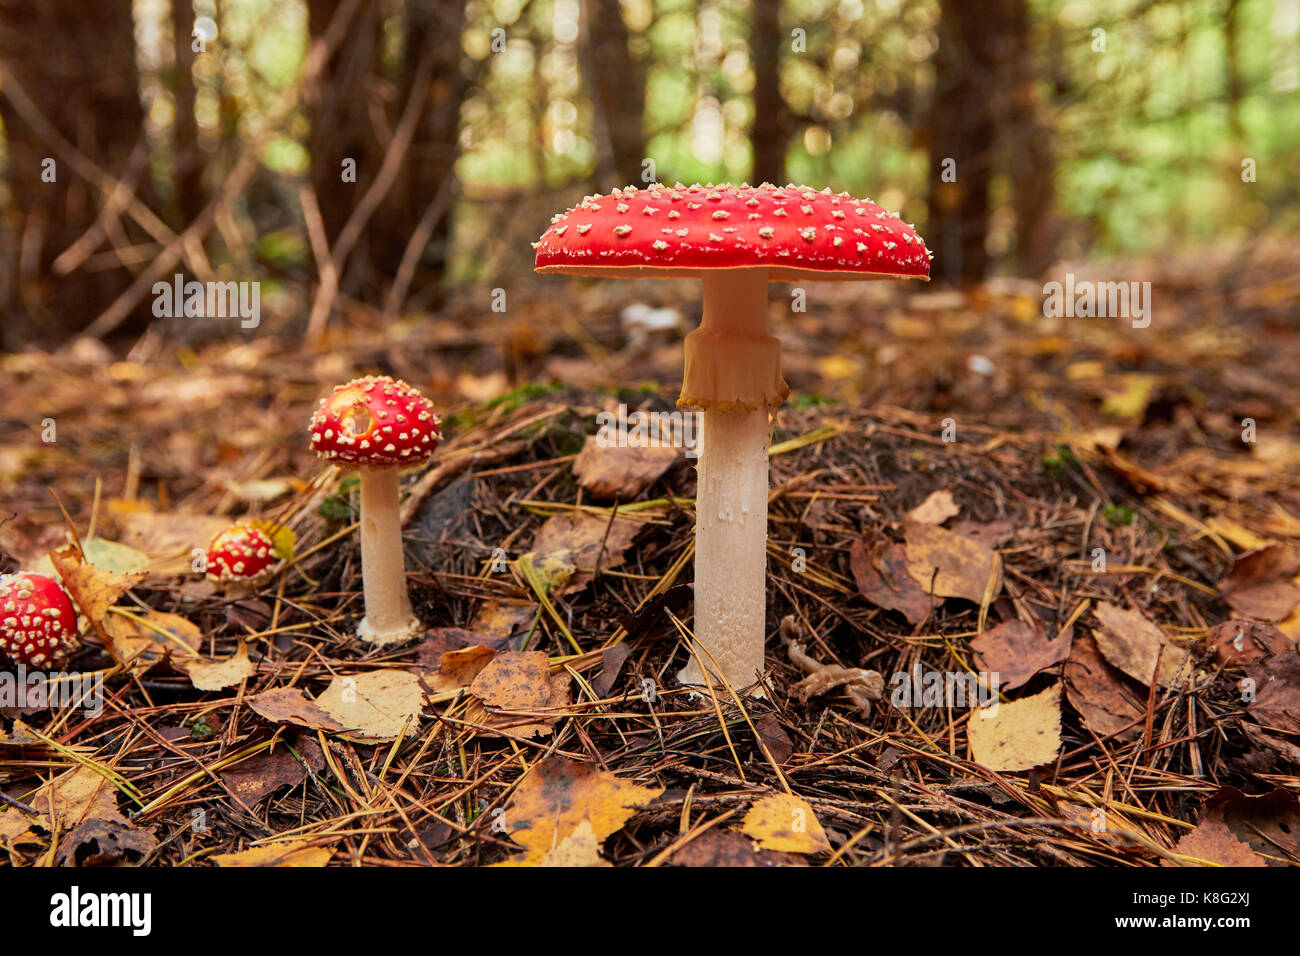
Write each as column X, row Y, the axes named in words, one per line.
column 950, row 565
column 1017, row 735
column 1015, row 651
column 81, row 806
column 293, row 853
column 785, row 823
column 558, row 796
column 1132, row 643
column 935, row 509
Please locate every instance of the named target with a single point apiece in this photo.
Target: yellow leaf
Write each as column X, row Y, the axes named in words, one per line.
column 207, row 674
column 559, row 795
column 785, row 823
column 1018, row 735
column 376, row 706
column 297, row 853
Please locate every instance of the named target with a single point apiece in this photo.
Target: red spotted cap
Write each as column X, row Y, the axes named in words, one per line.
column 375, row 421
column 38, row 625
column 242, row 554
column 796, row 232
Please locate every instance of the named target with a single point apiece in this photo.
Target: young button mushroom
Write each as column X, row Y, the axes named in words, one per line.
column 242, row 554
column 38, row 625
column 379, row 425
column 737, row 239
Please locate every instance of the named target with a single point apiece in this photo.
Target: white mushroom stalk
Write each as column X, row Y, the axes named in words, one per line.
column 733, row 373
column 389, row 617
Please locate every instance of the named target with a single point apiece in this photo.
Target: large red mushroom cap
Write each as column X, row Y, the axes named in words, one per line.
column 796, row 232
column 38, row 625
column 242, row 554
column 376, row 422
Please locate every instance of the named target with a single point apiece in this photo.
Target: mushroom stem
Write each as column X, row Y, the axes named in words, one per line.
column 733, row 371
column 383, row 565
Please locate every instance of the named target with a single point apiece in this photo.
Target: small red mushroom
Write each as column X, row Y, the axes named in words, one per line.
column 736, row 239
column 242, row 554
column 379, row 424
column 38, row 625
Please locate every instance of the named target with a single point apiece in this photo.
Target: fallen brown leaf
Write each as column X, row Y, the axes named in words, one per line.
column 880, row 571
column 1261, row 583
column 1132, row 643
column 1213, row 841
column 730, row 848
column 518, row 681
column 621, row 473
column 581, row 539
column 148, row 637
column 289, row 705
column 949, row 565
column 1015, row 651
column 1098, row 692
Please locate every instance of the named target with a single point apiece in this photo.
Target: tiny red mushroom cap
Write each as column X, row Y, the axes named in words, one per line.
column 242, row 554
column 375, row 421
column 794, row 231
column 38, row 625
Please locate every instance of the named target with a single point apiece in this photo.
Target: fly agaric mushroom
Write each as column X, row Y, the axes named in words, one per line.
column 737, row 239
column 242, row 554
column 38, row 625
column 379, row 425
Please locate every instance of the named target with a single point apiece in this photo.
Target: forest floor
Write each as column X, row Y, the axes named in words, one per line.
column 1105, row 517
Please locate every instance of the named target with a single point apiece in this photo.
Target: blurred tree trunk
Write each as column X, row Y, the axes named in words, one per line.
column 962, row 127
column 1031, row 161
column 341, row 128
column 618, row 83
column 771, row 121
column 355, row 111
column 187, row 159
column 1231, row 35
column 76, row 61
